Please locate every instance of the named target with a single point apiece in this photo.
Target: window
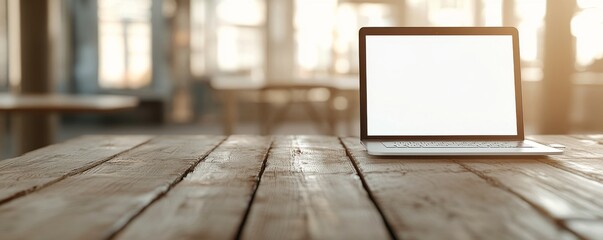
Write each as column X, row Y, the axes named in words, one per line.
column 3, row 44
column 326, row 34
column 325, row 31
column 450, row 13
column 587, row 27
column 240, row 36
column 349, row 18
column 124, row 44
column 530, row 24
column 313, row 24
column 492, row 12
column 197, row 41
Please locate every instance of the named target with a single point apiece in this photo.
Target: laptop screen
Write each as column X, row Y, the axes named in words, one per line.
column 440, row 85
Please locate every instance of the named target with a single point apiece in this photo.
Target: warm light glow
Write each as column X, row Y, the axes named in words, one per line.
column 587, row 27
column 530, row 16
column 314, row 21
column 197, row 35
column 327, row 34
column 240, row 39
column 528, row 40
column 228, row 58
column 325, row 31
column 239, row 49
column 124, row 43
column 450, row 13
column 583, row 4
column 492, row 12
column 112, row 61
column 342, row 66
column 237, row 12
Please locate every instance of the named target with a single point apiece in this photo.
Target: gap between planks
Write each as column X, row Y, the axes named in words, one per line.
column 164, row 193
column 559, row 222
column 74, row 172
column 255, row 190
column 389, row 227
column 571, row 165
column 211, row 200
column 125, row 184
column 569, row 224
column 310, row 190
column 403, row 227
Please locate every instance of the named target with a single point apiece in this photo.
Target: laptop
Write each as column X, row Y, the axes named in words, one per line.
column 442, row 91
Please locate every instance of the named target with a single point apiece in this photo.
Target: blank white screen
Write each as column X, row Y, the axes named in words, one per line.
column 440, row 85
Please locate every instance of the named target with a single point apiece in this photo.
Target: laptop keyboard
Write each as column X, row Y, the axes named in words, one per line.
column 455, row 144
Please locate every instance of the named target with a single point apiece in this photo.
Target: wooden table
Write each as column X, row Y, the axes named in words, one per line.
column 37, row 133
column 295, row 187
column 65, row 103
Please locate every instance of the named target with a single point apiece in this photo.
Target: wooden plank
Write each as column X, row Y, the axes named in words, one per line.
column 39, row 168
column 211, row 202
column 588, row 228
column 559, row 193
column 309, row 190
column 98, row 202
column 581, row 156
column 576, row 147
column 595, row 137
column 426, row 198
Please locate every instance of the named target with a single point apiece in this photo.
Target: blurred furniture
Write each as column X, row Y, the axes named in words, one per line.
column 230, row 88
column 46, row 104
column 3, row 150
column 587, row 98
column 65, row 103
column 295, row 187
column 227, row 90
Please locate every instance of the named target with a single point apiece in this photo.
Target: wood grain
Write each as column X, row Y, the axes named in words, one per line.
column 100, row 201
column 594, row 137
column 309, row 190
column 48, row 165
column 588, row 228
column 559, row 193
column 581, row 156
column 426, row 198
column 211, row 202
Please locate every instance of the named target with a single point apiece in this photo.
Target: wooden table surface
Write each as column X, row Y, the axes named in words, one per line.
column 295, row 187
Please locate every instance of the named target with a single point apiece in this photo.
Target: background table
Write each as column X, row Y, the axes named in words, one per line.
column 229, row 88
column 65, row 103
column 40, row 133
column 295, row 187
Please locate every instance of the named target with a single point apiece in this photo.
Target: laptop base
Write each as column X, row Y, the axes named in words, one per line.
column 378, row 148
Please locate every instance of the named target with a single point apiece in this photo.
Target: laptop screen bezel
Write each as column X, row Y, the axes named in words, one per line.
column 383, row 31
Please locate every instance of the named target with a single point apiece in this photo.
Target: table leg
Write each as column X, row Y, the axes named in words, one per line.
column 230, row 111
column 3, row 147
column 32, row 130
column 332, row 112
column 352, row 113
column 264, row 118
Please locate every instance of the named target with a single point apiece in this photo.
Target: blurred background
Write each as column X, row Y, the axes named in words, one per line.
column 265, row 66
